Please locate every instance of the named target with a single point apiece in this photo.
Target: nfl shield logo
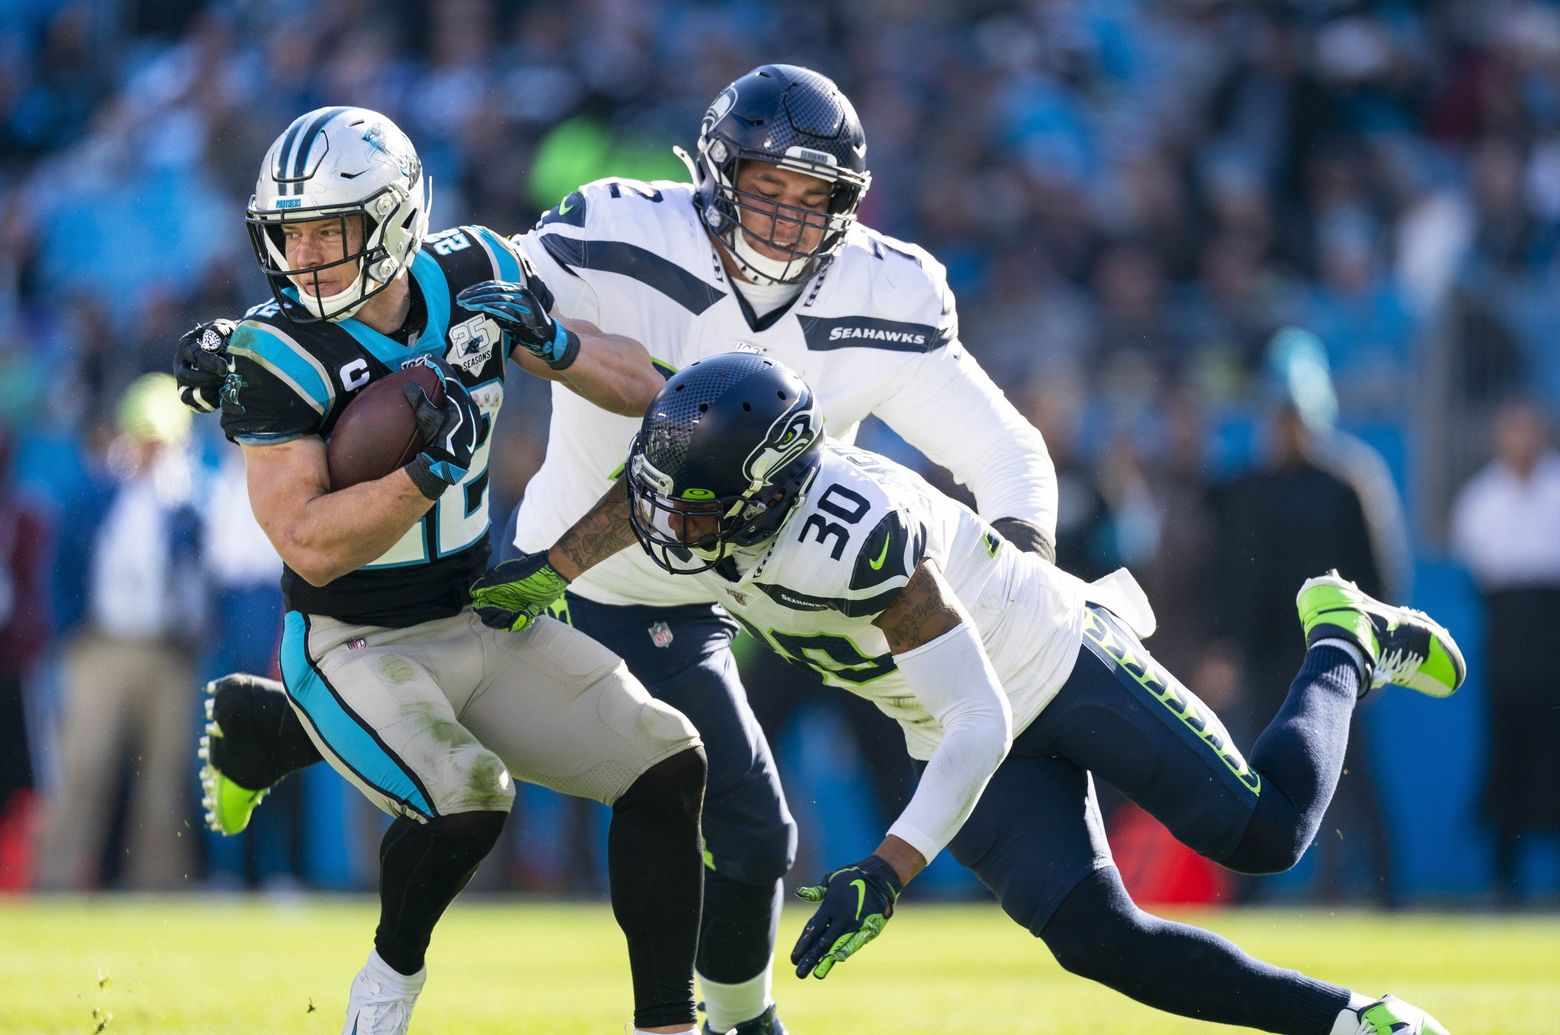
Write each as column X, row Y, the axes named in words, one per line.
column 661, row 635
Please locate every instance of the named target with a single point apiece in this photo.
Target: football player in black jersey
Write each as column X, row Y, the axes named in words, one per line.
column 395, row 681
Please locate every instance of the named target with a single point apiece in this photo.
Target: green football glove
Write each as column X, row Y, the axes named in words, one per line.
column 855, row 904
column 511, row 595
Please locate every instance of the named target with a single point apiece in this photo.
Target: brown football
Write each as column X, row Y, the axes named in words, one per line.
column 377, row 432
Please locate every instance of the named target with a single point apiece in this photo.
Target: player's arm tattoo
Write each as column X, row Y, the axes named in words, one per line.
column 602, row 532
column 924, row 610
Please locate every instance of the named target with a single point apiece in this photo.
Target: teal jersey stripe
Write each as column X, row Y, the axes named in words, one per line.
column 287, row 360
column 503, row 258
column 350, row 742
column 436, row 295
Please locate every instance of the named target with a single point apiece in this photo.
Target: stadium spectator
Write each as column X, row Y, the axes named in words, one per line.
column 24, row 629
column 129, row 663
column 1085, row 531
column 1315, row 501
column 1504, row 529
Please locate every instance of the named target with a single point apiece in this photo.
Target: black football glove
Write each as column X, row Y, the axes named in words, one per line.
column 201, row 364
column 1026, row 536
column 855, row 904
column 521, row 311
column 451, row 432
column 511, row 595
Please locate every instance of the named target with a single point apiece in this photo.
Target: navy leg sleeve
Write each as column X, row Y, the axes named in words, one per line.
column 1300, row 755
column 1098, row 933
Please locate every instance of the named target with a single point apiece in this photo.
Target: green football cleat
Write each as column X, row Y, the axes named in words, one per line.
column 1404, row 647
column 227, row 805
column 1389, row 1015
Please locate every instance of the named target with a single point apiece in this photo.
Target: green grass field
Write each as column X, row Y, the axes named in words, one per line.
column 213, row 966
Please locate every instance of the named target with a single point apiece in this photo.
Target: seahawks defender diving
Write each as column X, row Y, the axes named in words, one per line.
column 1015, row 684
column 395, row 681
column 761, row 252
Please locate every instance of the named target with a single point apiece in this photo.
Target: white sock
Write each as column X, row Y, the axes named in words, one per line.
column 389, row 977
column 729, row 1005
column 1350, row 648
column 1348, row 1022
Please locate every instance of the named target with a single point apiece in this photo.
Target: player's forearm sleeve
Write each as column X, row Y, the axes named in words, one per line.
column 952, row 677
column 951, row 410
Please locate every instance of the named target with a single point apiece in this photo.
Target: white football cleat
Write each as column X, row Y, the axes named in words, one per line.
column 381, row 1000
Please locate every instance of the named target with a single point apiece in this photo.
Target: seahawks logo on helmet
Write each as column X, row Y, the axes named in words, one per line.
column 788, row 438
column 718, row 109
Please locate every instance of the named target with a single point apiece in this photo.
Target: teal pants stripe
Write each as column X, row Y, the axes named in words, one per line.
column 347, row 736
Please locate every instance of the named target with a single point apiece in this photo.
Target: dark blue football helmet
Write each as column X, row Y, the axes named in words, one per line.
column 794, row 118
column 729, row 444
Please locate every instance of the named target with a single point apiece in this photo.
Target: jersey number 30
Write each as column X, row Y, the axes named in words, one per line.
column 843, row 503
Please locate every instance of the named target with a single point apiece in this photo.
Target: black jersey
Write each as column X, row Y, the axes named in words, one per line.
column 294, row 379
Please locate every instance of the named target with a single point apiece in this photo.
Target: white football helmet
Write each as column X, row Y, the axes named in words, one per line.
column 337, row 163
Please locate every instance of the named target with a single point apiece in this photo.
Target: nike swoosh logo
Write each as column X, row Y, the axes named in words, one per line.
column 861, row 894
column 564, row 207
column 882, row 556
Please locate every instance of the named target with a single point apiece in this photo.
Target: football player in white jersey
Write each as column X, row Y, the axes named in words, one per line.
column 761, row 252
column 1013, row 682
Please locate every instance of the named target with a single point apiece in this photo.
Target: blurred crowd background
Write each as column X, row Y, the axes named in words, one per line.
column 1278, row 281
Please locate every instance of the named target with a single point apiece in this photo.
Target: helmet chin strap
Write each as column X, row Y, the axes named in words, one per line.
column 761, row 267
column 362, row 287
column 320, row 306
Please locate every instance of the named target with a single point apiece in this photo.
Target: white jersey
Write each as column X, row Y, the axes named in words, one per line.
column 875, row 332
column 848, row 549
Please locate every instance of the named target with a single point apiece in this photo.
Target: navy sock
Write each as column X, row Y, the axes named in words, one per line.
column 1299, row 757
column 738, row 929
